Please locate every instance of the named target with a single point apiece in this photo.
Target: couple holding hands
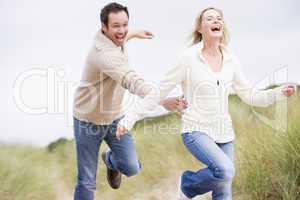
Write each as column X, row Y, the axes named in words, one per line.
column 206, row 72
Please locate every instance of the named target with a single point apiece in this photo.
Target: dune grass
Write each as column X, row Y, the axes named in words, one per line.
column 267, row 160
column 26, row 173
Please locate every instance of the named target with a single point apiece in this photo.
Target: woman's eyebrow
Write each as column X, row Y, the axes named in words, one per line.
column 210, row 16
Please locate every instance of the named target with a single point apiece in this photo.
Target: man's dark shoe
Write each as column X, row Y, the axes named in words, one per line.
column 113, row 177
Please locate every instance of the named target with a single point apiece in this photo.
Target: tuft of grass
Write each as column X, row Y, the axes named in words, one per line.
column 22, row 173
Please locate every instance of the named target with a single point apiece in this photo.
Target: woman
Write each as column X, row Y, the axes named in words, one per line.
column 206, row 72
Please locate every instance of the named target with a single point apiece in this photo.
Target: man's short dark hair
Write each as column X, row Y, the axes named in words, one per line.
column 111, row 8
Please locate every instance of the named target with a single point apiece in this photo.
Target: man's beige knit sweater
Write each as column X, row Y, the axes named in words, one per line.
column 105, row 77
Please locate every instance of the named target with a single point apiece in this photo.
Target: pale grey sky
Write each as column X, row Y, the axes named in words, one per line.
column 56, row 35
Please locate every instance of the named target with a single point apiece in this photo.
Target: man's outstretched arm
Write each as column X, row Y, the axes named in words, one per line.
column 140, row 34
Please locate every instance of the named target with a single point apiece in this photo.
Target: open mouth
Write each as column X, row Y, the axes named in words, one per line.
column 120, row 37
column 216, row 29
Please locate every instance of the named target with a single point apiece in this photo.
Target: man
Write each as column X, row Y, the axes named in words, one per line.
column 97, row 104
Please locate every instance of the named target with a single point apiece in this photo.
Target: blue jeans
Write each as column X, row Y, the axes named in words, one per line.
column 122, row 155
column 217, row 176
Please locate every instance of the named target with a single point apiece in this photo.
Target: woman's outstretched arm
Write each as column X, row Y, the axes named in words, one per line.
column 255, row 97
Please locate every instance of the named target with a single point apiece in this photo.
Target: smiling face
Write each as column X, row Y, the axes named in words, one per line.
column 117, row 27
column 212, row 25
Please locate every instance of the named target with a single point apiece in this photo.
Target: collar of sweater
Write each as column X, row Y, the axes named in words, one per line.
column 225, row 52
column 102, row 41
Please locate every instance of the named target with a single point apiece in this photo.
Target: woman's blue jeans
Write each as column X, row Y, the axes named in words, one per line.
column 217, row 176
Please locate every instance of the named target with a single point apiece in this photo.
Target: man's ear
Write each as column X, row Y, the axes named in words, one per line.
column 104, row 28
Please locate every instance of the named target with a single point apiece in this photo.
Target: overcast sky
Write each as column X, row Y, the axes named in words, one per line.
column 45, row 39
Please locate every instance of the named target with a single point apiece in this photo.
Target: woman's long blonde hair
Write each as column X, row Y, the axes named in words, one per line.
column 197, row 37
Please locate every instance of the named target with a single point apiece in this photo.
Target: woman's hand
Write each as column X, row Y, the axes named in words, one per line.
column 288, row 90
column 121, row 130
column 175, row 104
column 141, row 34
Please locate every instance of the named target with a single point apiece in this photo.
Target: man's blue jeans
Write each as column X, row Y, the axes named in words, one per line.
column 217, row 176
column 122, row 155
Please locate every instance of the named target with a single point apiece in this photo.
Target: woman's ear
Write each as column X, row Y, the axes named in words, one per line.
column 199, row 30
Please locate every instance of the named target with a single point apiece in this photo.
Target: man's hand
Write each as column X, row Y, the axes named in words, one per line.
column 175, row 104
column 289, row 90
column 121, row 130
column 141, row 34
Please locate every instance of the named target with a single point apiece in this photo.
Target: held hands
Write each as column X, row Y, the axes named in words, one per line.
column 175, row 104
column 288, row 90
